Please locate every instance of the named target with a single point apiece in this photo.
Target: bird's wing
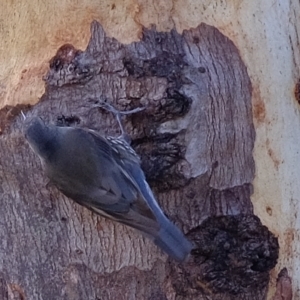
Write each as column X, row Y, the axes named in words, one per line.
column 130, row 162
column 118, row 182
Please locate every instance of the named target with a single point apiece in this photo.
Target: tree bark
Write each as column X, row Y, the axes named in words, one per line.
column 195, row 139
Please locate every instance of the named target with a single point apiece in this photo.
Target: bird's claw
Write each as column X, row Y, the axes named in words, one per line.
column 118, row 114
column 112, row 109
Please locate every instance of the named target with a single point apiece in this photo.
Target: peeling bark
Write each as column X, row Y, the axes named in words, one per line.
column 284, row 289
column 195, row 139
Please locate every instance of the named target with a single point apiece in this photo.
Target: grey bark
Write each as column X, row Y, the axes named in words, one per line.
column 195, row 139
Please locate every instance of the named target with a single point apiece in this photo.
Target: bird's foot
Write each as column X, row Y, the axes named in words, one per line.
column 118, row 114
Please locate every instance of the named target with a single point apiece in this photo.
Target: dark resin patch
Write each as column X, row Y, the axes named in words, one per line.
column 67, row 121
column 160, row 162
column 233, row 254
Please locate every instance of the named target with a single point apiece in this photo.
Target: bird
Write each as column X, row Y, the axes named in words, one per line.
column 104, row 174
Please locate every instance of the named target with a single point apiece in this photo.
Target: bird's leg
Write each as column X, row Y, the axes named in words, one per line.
column 118, row 114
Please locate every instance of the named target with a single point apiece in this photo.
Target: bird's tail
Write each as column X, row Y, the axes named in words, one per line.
column 172, row 241
column 168, row 236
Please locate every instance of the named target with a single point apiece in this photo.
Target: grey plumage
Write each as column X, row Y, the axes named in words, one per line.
column 104, row 175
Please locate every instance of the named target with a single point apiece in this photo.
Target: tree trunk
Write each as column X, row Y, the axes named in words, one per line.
column 195, row 140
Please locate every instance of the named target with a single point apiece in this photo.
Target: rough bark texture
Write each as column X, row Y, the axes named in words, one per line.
column 195, row 139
